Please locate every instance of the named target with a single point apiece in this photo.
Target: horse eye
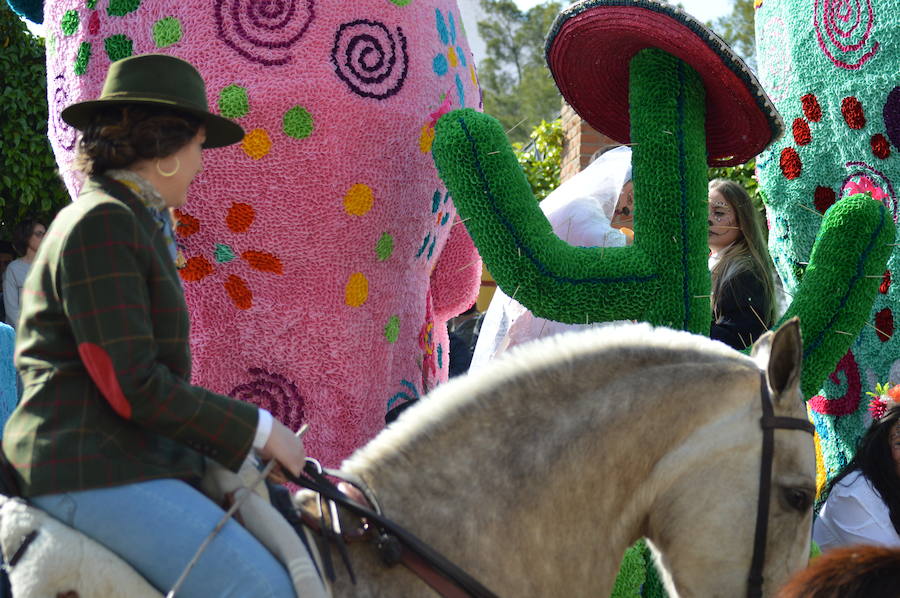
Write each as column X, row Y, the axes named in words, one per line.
column 797, row 498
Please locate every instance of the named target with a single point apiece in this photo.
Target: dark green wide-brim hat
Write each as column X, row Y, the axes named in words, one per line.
column 157, row 80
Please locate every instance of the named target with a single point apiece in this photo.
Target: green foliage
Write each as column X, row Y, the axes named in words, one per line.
column 518, row 88
column 745, row 174
column 29, row 184
column 541, row 158
column 738, row 30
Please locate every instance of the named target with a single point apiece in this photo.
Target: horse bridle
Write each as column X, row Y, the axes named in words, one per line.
column 769, row 422
column 461, row 582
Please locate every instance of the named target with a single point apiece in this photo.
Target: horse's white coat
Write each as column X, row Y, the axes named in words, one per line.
column 537, row 474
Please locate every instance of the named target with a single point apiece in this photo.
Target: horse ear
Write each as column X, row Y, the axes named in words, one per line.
column 780, row 353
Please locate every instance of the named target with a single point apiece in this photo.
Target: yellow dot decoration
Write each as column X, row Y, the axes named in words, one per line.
column 256, row 143
column 357, row 291
column 358, row 200
column 473, row 75
column 821, row 474
column 426, row 138
column 451, row 56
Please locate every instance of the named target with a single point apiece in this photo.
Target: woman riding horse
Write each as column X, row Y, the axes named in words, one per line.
column 110, row 436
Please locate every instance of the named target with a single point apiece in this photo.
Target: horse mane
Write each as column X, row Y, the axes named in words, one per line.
column 848, row 572
column 609, row 347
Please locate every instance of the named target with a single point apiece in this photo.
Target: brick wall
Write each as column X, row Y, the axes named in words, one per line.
column 580, row 142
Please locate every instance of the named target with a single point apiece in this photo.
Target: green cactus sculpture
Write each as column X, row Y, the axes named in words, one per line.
column 662, row 279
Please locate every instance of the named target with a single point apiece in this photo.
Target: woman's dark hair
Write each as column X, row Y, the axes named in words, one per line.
column 21, row 235
column 873, row 459
column 119, row 136
column 850, row 572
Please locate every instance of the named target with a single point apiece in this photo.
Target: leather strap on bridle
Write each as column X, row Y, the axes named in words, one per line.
column 399, row 544
column 769, row 422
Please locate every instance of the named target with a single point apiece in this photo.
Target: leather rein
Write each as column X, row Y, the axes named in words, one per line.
column 397, row 545
column 769, row 422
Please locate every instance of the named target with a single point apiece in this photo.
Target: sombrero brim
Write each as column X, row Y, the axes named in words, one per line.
column 220, row 131
column 591, row 44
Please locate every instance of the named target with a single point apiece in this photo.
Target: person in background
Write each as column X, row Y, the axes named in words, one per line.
column 7, row 255
column 463, row 331
column 863, row 504
column 27, row 239
column 743, row 285
column 595, row 208
column 110, row 436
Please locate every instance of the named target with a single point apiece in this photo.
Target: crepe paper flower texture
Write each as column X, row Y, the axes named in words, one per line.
column 884, row 397
column 239, row 219
column 865, row 185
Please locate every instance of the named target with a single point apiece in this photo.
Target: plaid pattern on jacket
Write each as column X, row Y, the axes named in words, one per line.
column 105, row 360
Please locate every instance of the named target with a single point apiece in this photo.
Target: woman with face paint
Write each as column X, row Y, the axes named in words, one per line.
column 743, row 298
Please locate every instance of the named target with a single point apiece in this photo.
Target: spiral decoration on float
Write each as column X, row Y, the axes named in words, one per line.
column 59, row 129
column 263, row 31
column 370, row 59
column 274, row 393
column 844, row 31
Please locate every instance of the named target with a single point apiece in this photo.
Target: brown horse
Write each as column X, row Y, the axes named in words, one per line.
column 536, row 474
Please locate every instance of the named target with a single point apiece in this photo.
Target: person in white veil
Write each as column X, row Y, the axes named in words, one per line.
column 587, row 210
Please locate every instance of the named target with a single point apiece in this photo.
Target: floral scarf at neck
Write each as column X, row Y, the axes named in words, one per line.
column 155, row 205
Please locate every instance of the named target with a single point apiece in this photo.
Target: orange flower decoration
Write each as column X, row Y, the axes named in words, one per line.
column 239, row 219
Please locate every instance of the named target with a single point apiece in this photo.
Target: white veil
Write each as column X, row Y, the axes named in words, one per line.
column 580, row 211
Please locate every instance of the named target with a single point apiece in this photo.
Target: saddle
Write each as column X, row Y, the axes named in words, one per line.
column 46, row 558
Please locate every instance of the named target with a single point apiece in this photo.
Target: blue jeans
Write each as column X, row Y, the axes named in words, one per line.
column 157, row 526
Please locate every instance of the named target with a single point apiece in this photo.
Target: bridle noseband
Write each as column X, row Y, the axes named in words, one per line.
column 769, row 422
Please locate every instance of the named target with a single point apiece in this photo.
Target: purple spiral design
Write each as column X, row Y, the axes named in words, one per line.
column 370, row 59
column 272, row 392
column 60, row 130
column 843, row 29
column 263, row 31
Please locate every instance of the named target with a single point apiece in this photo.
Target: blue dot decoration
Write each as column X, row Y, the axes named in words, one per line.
column 462, row 56
column 452, row 29
column 441, row 26
column 460, row 90
column 436, row 202
column 440, row 65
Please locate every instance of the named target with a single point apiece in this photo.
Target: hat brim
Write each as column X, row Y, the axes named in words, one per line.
column 589, row 50
column 220, row 131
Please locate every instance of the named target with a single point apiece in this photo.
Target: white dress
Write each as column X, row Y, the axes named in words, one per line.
column 580, row 211
column 854, row 514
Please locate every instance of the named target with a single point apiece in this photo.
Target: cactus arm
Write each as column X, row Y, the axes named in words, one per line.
column 835, row 296
column 576, row 284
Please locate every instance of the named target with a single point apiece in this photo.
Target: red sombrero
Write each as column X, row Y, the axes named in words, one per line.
column 589, row 49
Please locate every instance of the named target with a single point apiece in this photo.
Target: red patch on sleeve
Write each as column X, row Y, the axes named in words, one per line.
column 100, row 366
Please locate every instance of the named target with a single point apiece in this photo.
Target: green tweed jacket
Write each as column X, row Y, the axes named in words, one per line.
column 104, row 356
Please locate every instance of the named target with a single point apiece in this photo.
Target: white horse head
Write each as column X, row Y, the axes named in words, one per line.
column 535, row 475
column 702, row 523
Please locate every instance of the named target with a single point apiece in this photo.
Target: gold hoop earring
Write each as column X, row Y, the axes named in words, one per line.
column 170, row 173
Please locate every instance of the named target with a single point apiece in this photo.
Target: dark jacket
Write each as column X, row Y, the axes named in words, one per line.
column 105, row 360
column 740, row 310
